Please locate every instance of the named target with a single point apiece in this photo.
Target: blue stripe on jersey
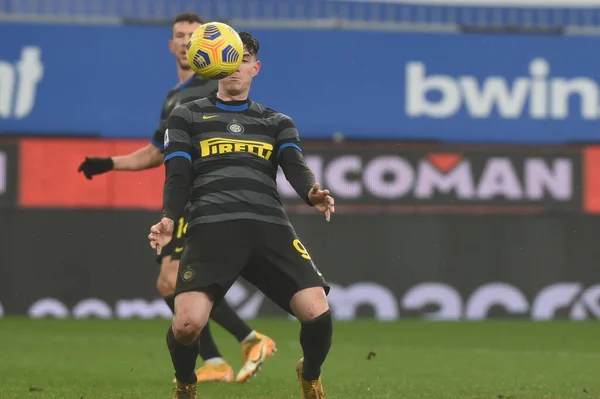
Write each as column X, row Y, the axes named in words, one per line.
column 187, row 82
column 226, row 107
column 179, row 154
column 286, row 145
column 157, row 144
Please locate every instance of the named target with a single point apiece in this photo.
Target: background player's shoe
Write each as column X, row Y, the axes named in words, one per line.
column 254, row 353
column 221, row 372
column 310, row 389
column 215, row 372
column 184, row 391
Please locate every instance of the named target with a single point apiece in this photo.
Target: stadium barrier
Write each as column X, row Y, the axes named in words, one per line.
column 481, row 232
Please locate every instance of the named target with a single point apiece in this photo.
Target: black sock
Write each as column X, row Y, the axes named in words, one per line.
column 170, row 300
column 208, row 347
column 183, row 358
column 315, row 338
column 223, row 315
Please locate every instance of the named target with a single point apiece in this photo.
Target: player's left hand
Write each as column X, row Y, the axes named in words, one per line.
column 161, row 234
column 322, row 201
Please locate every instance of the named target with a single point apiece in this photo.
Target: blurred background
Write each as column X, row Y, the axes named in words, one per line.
column 460, row 139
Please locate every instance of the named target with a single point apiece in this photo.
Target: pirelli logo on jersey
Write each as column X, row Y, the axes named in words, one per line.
column 217, row 146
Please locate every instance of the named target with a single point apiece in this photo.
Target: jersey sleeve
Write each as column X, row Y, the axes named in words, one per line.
column 289, row 157
column 159, row 134
column 287, row 136
column 177, row 141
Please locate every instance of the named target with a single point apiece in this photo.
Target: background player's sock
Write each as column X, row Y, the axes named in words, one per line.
column 170, row 300
column 215, row 361
column 315, row 338
column 223, row 315
column 183, row 358
column 249, row 337
column 208, row 347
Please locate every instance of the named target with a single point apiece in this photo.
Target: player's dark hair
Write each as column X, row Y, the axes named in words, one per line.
column 250, row 43
column 190, row 17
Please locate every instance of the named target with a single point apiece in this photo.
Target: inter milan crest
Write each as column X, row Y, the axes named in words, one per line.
column 188, row 275
column 235, row 128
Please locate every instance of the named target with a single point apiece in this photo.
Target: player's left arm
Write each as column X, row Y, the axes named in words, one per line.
column 302, row 179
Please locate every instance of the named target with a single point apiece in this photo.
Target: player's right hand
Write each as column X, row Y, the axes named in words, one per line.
column 161, row 234
column 95, row 166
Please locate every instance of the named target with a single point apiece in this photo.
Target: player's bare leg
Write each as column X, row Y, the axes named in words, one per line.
column 311, row 308
column 256, row 347
column 192, row 310
column 215, row 368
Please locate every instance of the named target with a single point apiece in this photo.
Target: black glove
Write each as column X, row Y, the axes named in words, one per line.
column 96, row 166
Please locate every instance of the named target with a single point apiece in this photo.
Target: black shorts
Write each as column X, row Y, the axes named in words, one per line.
column 174, row 249
column 269, row 256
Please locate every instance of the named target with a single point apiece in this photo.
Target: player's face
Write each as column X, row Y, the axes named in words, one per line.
column 239, row 82
column 182, row 31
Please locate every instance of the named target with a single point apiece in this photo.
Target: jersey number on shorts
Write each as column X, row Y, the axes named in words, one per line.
column 300, row 248
column 181, row 228
column 304, row 253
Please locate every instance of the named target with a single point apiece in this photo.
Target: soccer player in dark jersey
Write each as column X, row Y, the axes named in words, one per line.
column 256, row 347
column 222, row 153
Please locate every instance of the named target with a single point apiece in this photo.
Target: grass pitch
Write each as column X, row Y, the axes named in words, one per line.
column 97, row 359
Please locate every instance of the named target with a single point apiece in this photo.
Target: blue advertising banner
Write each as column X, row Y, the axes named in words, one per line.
column 110, row 81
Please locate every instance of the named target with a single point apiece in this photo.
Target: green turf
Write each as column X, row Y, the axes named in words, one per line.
column 96, row 359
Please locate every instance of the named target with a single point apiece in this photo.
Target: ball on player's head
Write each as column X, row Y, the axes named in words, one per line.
column 215, row 50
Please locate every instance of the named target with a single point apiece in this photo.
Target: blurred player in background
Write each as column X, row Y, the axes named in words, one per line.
column 256, row 347
column 237, row 224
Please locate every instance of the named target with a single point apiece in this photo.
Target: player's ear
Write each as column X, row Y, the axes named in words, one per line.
column 257, row 66
column 171, row 46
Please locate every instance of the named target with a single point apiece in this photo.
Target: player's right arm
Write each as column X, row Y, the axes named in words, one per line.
column 179, row 174
column 179, row 152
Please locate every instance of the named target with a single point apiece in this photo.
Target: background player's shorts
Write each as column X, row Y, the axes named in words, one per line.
column 174, row 249
column 269, row 256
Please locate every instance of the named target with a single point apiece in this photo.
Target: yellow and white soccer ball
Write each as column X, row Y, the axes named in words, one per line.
column 215, row 50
